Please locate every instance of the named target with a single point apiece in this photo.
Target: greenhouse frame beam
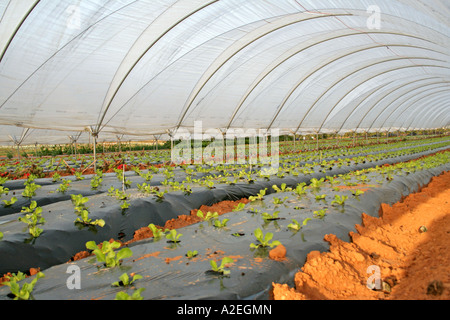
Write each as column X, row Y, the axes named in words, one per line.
column 401, row 86
column 17, row 28
column 294, row 51
column 113, row 92
column 400, row 106
column 366, row 80
column 424, row 110
column 243, row 43
column 438, row 110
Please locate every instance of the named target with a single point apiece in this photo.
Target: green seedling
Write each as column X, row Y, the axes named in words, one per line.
column 239, row 207
column 1, row 235
column 295, row 225
column 32, row 208
column 173, row 236
column 9, row 203
column 279, row 201
column 160, row 194
column 316, row 184
column 282, row 189
column 221, row 267
column 56, row 177
column 268, row 216
column 79, row 202
column 157, row 233
column 78, row 176
column 146, row 188
column 320, row 197
column 32, row 220
column 107, row 253
column 4, row 190
column 221, row 224
column 320, row 214
column 96, row 181
column 64, row 186
column 264, row 241
column 84, row 219
column 191, row 254
column 357, row 193
column 24, row 292
column 300, row 189
column 339, row 200
column 125, row 280
column 208, row 216
column 30, row 189
column 125, row 296
column 125, row 205
column 259, row 196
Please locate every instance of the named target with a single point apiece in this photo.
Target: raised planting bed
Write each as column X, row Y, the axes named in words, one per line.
column 319, row 208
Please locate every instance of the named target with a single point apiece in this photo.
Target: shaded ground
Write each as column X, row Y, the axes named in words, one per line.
column 406, row 248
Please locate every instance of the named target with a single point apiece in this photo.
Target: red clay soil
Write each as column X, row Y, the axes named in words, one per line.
column 407, row 245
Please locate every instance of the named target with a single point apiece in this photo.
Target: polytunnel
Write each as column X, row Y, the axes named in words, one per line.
column 71, row 69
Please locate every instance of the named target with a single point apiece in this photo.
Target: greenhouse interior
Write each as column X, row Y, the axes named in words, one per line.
column 255, row 150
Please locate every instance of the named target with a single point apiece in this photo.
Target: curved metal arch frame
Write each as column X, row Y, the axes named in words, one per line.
column 401, row 86
column 208, row 74
column 424, row 111
column 107, row 102
column 438, row 110
column 196, row 92
column 405, row 102
column 262, row 76
column 395, row 109
column 62, row 48
column 368, row 79
column 16, row 30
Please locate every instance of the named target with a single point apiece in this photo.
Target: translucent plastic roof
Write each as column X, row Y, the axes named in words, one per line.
column 147, row 67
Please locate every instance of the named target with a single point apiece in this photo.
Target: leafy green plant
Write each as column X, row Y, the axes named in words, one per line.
column 56, row 177
column 173, row 236
column 1, row 235
column 107, row 253
column 221, row 268
column 30, row 189
column 32, row 219
column 8, row 203
column 320, row 214
column 268, row 216
column 282, row 189
column 339, row 200
column 300, row 189
column 125, row 296
column 64, row 186
column 78, row 176
column 295, row 225
column 259, row 196
column 4, row 190
column 79, row 202
column 221, row 224
column 85, row 220
column 96, row 181
column 208, row 216
column 279, row 201
column 24, row 292
column 191, row 254
column 357, row 192
column 157, row 233
column 321, row 197
column 239, row 207
column 316, row 184
column 264, row 240
column 124, row 280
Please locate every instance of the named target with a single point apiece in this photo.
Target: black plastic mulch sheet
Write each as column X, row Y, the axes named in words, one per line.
column 169, row 274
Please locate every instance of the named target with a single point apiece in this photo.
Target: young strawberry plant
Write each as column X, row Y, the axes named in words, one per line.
column 64, row 186
column 320, row 214
column 259, row 196
column 107, row 253
column 30, row 189
column 221, row 268
column 125, row 296
column 221, row 224
column 173, row 236
column 295, row 225
column 264, row 240
column 85, row 220
column 24, row 292
column 125, row 281
column 157, row 233
column 208, row 216
column 282, row 189
column 339, row 200
column 8, row 203
column 268, row 216
column 191, row 254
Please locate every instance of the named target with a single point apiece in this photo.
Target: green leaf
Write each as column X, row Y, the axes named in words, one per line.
column 124, row 253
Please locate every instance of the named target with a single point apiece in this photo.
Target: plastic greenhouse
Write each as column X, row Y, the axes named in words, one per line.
column 106, row 72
